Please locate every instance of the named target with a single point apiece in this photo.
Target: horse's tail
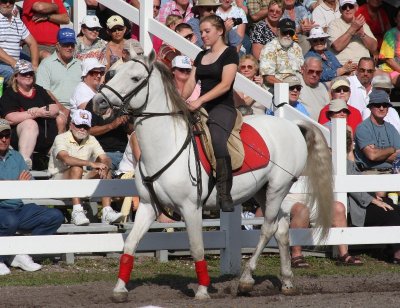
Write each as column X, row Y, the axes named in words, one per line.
column 319, row 174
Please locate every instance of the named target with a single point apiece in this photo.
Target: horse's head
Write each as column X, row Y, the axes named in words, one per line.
column 128, row 88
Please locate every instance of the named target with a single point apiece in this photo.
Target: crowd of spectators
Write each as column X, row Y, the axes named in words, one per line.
column 340, row 58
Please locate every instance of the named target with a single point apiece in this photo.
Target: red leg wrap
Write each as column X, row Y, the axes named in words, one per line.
column 125, row 267
column 202, row 273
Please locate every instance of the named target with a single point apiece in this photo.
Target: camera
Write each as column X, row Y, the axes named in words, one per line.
column 237, row 21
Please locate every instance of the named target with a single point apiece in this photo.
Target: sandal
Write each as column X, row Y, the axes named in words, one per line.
column 299, row 262
column 348, row 260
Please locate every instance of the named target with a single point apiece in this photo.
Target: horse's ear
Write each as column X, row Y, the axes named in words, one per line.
column 151, row 58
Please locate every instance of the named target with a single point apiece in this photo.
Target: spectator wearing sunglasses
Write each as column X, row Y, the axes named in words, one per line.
column 92, row 73
column 294, row 94
column 13, row 32
column 314, row 94
column 31, row 112
column 74, row 150
column 88, row 42
column 331, row 67
column 181, row 69
column 340, row 89
column 281, row 57
column 43, row 19
column 377, row 141
column 350, row 36
column 60, row 73
column 205, row 8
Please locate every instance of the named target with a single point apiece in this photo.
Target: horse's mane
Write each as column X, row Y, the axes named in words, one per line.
column 178, row 104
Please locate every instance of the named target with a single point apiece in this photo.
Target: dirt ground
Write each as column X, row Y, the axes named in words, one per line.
column 381, row 290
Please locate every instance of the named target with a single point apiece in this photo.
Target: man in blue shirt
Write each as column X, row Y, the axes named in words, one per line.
column 14, row 214
column 377, row 141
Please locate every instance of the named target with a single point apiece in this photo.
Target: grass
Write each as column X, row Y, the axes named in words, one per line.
column 95, row 269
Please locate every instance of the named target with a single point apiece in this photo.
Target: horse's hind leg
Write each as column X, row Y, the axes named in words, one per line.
column 144, row 217
column 193, row 221
column 282, row 237
column 268, row 228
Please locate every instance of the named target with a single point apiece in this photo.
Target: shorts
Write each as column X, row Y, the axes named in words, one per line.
column 291, row 199
column 60, row 176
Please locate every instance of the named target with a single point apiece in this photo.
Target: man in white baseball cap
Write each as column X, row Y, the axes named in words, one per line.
column 74, row 151
column 181, row 68
column 351, row 37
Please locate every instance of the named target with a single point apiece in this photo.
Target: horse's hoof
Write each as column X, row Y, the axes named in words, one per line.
column 289, row 291
column 245, row 286
column 202, row 293
column 120, row 297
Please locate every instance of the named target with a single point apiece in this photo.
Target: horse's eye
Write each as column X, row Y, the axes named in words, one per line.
column 135, row 79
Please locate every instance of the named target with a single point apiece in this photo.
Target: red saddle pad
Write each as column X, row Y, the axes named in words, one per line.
column 256, row 153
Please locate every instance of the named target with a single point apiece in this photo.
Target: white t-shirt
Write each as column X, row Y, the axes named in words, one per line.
column 323, row 15
column 82, row 94
column 234, row 12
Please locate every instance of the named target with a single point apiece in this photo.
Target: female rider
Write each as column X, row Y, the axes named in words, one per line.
column 216, row 68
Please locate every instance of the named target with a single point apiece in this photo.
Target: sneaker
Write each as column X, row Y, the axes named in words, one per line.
column 26, row 263
column 110, row 216
column 79, row 218
column 4, row 270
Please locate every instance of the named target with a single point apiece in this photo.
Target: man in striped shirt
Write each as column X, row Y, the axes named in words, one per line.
column 12, row 33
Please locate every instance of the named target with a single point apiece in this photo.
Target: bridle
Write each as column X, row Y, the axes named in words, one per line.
column 124, row 109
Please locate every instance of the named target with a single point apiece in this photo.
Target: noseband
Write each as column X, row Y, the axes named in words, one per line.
column 126, row 99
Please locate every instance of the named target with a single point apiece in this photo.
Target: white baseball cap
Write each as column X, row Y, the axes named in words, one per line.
column 343, row 2
column 317, row 32
column 91, row 63
column 81, row 117
column 91, row 21
column 181, row 62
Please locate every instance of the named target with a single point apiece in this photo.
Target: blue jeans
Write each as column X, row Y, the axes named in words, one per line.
column 6, row 71
column 115, row 157
column 29, row 218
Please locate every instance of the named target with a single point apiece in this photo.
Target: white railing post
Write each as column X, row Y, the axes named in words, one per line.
column 338, row 145
column 281, row 94
column 79, row 12
column 146, row 13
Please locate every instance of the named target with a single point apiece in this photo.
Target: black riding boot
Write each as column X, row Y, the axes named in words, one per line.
column 224, row 184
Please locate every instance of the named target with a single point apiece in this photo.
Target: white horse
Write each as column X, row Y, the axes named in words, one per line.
column 146, row 87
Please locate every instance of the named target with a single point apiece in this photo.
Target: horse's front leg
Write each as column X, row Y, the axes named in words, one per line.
column 193, row 219
column 145, row 216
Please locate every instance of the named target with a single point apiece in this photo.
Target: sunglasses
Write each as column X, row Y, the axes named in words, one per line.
column 249, row 67
column 157, row 7
column 287, row 33
column 115, row 29
column 93, row 73
column 318, row 40
column 342, row 89
column 312, row 72
column 94, row 29
column 363, row 70
column 189, row 36
column 275, row 11
column 379, row 105
column 297, row 88
column 82, row 126
column 347, row 6
column 341, row 111
column 7, row 1
column 5, row 135
column 67, row 45
column 28, row 74
column 209, row 8
column 183, row 70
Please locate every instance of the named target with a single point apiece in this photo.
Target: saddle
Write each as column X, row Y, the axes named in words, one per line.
column 235, row 145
